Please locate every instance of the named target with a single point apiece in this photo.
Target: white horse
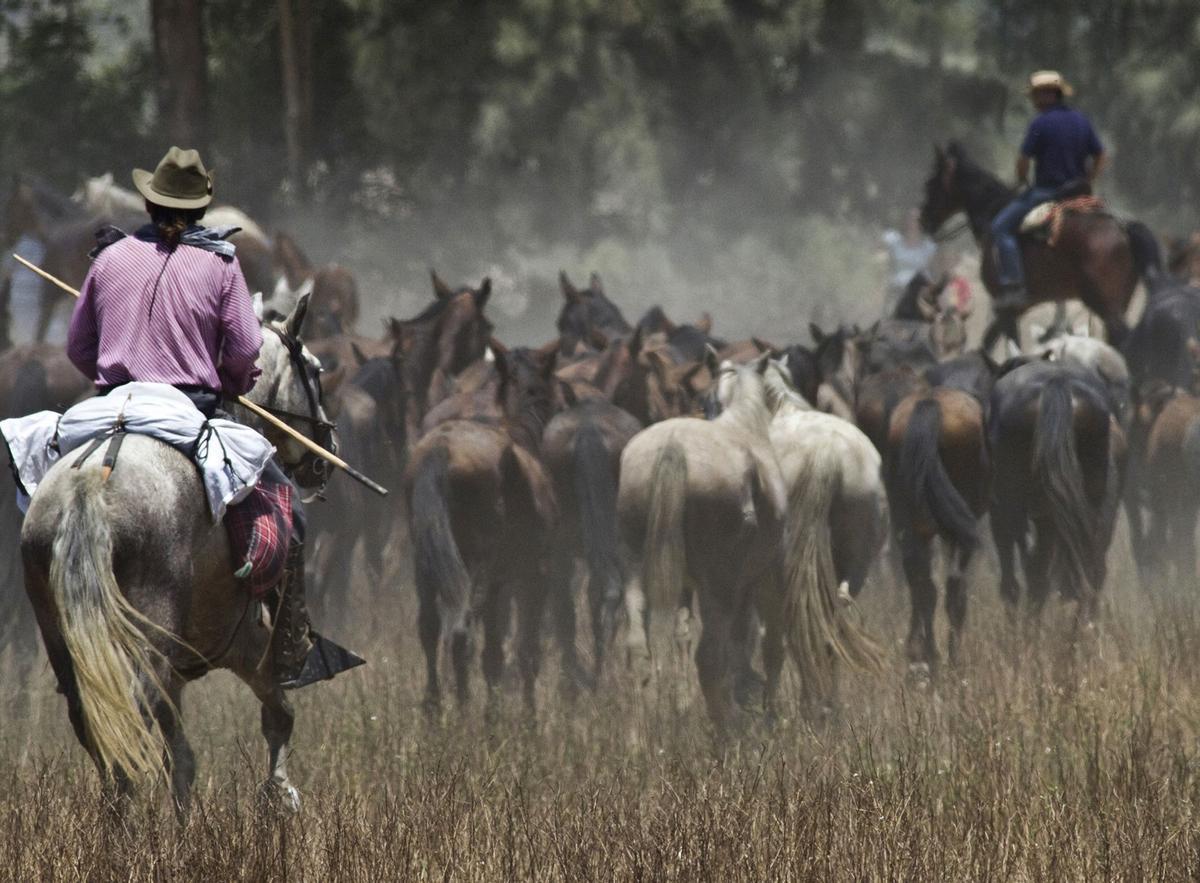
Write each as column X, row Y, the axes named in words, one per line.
column 836, row 524
column 134, row 593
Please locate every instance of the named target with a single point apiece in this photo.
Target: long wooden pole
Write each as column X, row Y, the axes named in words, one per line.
column 249, row 405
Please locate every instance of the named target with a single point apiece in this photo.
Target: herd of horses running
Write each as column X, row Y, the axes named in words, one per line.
column 751, row 485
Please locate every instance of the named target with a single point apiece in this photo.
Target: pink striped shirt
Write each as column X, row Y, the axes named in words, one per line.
column 183, row 317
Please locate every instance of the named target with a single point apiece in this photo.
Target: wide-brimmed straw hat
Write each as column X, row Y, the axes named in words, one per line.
column 1049, row 80
column 180, row 181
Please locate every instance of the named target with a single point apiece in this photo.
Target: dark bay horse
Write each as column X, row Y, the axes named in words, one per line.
column 1058, row 453
column 1170, row 473
column 938, row 478
column 481, row 513
column 1097, row 259
column 586, row 311
column 134, row 593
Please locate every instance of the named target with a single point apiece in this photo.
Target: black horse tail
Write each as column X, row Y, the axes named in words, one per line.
column 1147, row 257
column 922, row 488
column 1057, row 470
column 596, row 494
column 440, row 573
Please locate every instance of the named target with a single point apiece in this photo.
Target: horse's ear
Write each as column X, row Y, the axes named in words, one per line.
column 547, row 356
column 570, row 292
column 712, row 360
column 764, row 347
column 256, row 301
column 358, row 353
column 635, row 342
column 595, row 284
column 294, row 323
column 761, row 363
column 483, row 293
column 705, row 324
column 441, row 290
column 817, row 334
column 949, row 166
column 500, row 363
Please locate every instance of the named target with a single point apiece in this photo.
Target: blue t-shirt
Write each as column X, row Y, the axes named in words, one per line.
column 1059, row 141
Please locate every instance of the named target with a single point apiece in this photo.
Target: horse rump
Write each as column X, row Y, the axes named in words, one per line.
column 921, row 489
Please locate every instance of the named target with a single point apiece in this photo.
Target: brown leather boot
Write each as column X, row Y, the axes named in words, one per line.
column 301, row 656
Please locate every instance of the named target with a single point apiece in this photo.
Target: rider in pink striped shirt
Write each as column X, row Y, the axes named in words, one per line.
column 171, row 313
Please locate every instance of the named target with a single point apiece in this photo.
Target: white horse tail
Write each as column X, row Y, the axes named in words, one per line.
column 110, row 655
column 818, row 624
column 664, row 558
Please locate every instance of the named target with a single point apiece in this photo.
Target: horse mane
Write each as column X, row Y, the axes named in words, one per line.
column 983, row 190
column 780, row 390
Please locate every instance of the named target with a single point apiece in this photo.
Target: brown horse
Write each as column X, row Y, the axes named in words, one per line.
column 333, row 307
column 1171, row 476
column 582, row 447
column 481, row 512
column 1097, row 259
column 938, row 479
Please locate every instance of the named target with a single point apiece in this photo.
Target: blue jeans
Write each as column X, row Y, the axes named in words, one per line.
column 1004, row 234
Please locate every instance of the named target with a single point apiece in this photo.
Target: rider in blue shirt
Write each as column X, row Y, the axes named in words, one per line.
column 1065, row 149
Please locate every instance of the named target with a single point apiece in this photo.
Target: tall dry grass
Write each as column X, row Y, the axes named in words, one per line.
column 1028, row 763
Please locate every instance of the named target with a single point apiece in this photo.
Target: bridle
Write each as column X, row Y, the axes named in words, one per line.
column 322, row 429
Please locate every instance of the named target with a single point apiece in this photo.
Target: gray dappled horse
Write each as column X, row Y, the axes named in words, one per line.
column 133, row 589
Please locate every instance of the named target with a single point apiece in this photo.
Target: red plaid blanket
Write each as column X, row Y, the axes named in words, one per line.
column 260, row 530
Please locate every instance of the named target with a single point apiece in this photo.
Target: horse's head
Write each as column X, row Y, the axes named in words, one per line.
column 943, row 196
column 526, row 390
column 290, row 388
column 585, row 311
column 736, row 387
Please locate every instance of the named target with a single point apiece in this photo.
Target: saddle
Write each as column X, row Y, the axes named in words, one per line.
column 1044, row 222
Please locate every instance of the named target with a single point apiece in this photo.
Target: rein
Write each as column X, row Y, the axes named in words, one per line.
column 953, row 233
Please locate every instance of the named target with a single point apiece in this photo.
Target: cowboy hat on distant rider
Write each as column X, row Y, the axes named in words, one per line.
column 168, row 304
column 1066, row 153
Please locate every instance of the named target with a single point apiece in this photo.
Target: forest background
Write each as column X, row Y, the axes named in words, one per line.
column 738, row 156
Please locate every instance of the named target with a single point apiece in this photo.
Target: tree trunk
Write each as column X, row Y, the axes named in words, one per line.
column 180, row 58
column 295, row 52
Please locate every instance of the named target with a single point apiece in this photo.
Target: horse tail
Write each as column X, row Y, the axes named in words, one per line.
column 921, row 485
column 1147, row 257
column 596, row 494
column 816, row 625
column 110, row 654
column 664, row 559
column 438, row 565
column 1057, row 469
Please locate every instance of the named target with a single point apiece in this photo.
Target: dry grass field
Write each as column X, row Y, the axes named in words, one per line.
column 1025, row 764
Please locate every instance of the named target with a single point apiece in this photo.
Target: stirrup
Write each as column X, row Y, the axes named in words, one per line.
column 324, row 661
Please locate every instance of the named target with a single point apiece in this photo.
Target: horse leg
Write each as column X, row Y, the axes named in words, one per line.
column 429, row 628
column 180, row 760
column 495, row 615
column 278, row 721
column 956, row 599
column 1038, row 568
column 1006, row 528
column 713, row 662
column 769, row 609
column 532, row 602
column 562, row 605
column 921, row 646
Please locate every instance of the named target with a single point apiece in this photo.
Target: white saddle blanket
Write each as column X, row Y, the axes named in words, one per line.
column 1038, row 217
column 231, row 457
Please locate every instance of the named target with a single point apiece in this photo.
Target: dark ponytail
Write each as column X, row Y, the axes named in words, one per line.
column 172, row 222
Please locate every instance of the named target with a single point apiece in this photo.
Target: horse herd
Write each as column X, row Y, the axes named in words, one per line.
column 753, row 484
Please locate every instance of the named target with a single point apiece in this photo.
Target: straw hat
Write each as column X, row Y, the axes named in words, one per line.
column 1049, row 80
column 180, row 181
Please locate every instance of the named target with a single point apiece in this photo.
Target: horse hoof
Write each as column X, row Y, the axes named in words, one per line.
column 920, row 673
column 280, row 797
